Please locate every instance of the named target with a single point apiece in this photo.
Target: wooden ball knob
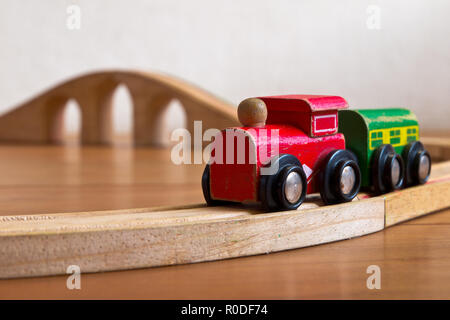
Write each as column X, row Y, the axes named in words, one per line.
column 252, row 112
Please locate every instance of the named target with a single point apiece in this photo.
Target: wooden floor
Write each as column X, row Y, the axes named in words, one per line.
column 414, row 257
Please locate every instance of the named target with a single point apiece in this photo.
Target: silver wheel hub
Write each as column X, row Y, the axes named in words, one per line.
column 424, row 167
column 293, row 187
column 395, row 172
column 348, row 179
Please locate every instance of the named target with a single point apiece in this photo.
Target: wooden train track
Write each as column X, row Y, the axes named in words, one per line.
column 46, row 244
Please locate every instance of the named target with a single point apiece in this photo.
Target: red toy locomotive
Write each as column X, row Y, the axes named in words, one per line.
column 289, row 146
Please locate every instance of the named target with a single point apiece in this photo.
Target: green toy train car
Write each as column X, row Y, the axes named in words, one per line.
column 386, row 144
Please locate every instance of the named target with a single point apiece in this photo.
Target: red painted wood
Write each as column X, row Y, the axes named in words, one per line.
column 324, row 123
column 304, row 103
column 239, row 182
column 302, row 110
column 301, row 125
column 231, row 179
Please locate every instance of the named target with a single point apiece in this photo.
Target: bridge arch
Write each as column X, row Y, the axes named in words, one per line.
column 122, row 110
column 36, row 120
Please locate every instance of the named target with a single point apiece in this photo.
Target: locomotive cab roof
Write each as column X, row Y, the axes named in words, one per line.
column 304, row 103
column 316, row 115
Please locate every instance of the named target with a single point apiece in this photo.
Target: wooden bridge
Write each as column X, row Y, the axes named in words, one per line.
column 40, row 120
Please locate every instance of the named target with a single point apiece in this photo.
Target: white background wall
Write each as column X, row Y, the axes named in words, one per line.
column 237, row 49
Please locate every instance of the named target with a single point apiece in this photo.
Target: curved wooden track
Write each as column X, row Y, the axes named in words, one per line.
column 46, row 244
column 39, row 119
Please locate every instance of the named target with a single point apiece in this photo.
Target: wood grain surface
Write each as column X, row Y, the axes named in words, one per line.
column 414, row 256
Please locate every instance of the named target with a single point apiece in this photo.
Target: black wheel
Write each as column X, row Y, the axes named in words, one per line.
column 206, row 189
column 387, row 169
column 284, row 189
column 417, row 163
column 340, row 177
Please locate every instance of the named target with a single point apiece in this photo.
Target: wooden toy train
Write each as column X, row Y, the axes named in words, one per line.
column 294, row 145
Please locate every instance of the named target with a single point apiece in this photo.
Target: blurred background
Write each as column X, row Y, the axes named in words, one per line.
column 373, row 53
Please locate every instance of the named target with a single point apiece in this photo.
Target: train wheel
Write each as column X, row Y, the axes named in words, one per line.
column 417, row 163
column 340, row 179
column 206, row 189
column 284, row 189
column 387, row 169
